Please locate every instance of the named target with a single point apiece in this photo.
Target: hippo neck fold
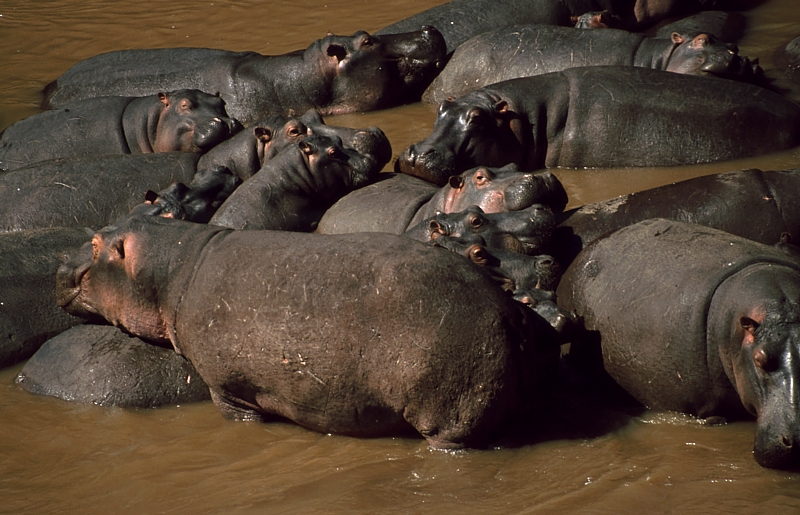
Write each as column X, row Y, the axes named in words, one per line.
column 654, row 53
column 140, row 123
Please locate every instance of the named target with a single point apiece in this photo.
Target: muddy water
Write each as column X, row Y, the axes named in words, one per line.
column 58, row 457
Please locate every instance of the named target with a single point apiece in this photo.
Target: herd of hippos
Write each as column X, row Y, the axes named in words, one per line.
column 243, row 253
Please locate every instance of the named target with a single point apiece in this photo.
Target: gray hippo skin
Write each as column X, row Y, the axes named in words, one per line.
column 601, row 117
column 526, row 50
column 294, row 189
column 788, row 58
column 397, row 202
column 99, row 364
column 29, row 314
column 296, row 325
column 759, row 206
column 697, row 320
column 178, row 121
column 335, row 74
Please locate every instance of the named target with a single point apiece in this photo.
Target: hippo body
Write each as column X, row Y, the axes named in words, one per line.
column 787, row 58
column 757, row 205
column 696, row 320
column 296, row 325
column 28, row 311
column 526, row 50
column 179, row 121
column 397, row 202
column 99, row 364
column 295, row 188
column 336, row 74
column 603, row 117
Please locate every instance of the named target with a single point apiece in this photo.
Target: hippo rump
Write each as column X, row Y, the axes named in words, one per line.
column 757, row 205
column 603, row 117
column 396, row 203
column 179, row 121
column 526, row 50
column 460, row 20
column 296, row 325
column 294, row 189
column 335, row 74
column 697, row 320
column 100, row 364
column 29, row 314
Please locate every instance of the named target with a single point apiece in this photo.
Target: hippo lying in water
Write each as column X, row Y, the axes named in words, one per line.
column 603, row 117
column 397, row 202
column 526, row 50
column 336, row 74
column 182, row 121
column 697, row 320
column 296, row 325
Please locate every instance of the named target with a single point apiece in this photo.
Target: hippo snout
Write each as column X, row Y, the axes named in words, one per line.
column 215, row 131
column 429, row 164
column 777, row 449
column 69, row 276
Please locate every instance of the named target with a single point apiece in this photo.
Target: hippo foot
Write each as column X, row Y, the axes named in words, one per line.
column 234, row 411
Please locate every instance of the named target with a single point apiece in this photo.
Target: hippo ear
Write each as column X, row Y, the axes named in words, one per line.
column 478, row 255
column 163, row 98
column 150, row 196
column 749, row 327
column 338, row 51
column 263, row 134
column 677, row 38
column 306, row 148
column 455, row 182
column 501, row 107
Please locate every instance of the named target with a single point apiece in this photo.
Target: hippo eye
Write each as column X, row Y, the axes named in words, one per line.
column 185, row 105
column 475, row 221
column 367, row 41
column 336, row 153
column 295, row 131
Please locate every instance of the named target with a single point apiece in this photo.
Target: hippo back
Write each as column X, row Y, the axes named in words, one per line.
column 646, row 289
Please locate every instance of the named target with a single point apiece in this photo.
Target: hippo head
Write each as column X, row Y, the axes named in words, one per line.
column 759, row 308
column 530, row 231
column 275, row 134
column 543, row 303
column 192, row 121
column 500, row 189
column 332, row 169
column 703, row 54
column 371, row 141
column 369, row 72
column 479, row 129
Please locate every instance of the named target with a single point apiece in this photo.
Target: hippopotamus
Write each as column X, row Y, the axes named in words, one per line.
column 528, row 231
column 544, row 304
column 753, row 204
column 398, row 202
column 295, row 188
column 460, row 20
column 177, row 121
column 100, row 364
column 335, row 74
column 29, row 314
column 787, row 58
column 603, row 116
column 696, row 320
column 726, row 26
column 296, row 325
column 526, row 50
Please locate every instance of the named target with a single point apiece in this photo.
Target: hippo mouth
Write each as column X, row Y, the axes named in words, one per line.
column 429, row 165
column 737, row 67
column 215, row 132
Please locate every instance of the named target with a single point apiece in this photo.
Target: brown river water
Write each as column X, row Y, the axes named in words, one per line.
column 59, row 457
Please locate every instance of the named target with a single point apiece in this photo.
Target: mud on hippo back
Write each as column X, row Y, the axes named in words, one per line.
column 604, row 116
column 177, row 121
column 697, row 320
column 452, row 359
column 336, row 74
column 526, row 50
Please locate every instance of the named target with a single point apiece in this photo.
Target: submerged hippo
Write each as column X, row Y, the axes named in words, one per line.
column 335, row 74
column 181, row 121
column 526, row 50
column 294, row 189
column 697, row 320
column 28, row 312
column 397, row 202
column 102, row 365
column 603, row 116
column 756, row 205
column 296, row 325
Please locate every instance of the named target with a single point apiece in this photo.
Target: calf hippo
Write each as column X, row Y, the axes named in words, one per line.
column 603, row 116
column 182, row 121
column 526, row 50
column 398, row 202
column 28, row 312
column 756, row 205
column 335, row 74
column 296, row 325
column 100, row 364
column 697, row 320
column 295, row 188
